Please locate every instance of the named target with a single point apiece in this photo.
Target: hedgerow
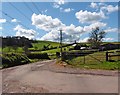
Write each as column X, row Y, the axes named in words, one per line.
column 38, row 56
column 9, row 60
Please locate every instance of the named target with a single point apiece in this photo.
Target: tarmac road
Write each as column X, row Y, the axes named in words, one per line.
column 37, row 78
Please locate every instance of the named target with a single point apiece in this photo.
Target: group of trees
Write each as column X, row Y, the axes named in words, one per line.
column 16, row 41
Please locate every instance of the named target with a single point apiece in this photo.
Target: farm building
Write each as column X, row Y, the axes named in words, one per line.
column 109, row 46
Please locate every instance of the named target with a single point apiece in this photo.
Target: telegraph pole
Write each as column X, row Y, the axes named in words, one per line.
column 61, row 43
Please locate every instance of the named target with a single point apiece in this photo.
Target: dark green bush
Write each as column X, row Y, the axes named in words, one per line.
column 38, row 56
column 9, row 60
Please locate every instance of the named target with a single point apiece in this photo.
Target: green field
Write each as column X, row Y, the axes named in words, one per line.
column 92, row 61
column 36, row 46
column 104, row 65
column 96, row 60
column 40, row 44
column 11, row 49
column 53, row 51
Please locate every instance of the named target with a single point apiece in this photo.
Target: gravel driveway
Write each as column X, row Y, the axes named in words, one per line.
column 47, row 77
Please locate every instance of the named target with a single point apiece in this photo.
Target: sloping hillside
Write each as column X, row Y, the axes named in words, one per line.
column 44, row 45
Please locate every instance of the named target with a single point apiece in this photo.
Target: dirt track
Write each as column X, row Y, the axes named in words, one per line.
column 50, row 78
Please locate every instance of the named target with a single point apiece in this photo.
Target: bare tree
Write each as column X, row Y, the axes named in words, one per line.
column 96, row 37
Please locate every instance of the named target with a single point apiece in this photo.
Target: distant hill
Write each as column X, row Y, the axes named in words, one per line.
column 38, row 45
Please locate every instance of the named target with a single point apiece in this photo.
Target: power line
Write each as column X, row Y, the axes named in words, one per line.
column 10, row 23
column 19, row 11
column 13, row 18
column 9, row 17
column 7, row 14
column 35, row 6
column 28, row 7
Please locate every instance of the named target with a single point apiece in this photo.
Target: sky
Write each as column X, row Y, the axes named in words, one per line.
column 43, row 20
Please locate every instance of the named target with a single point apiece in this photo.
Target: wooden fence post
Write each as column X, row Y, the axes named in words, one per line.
column 107, row 56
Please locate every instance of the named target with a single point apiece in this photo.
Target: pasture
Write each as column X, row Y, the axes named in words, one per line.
column 95, row 60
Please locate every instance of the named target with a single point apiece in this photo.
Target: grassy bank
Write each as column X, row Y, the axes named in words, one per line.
column 103, row 66
column 14, row 59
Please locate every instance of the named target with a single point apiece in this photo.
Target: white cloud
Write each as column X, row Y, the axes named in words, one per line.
column 84, row 40
column 111, row 30
column 108, row 39
column 54, row 35
column 110, row 8
column 104, row 39
column 93, row 5
column 2, row 20
column 58, row 3
column 1, row 28
column 24, row 32
column 52, row 26
column 68, row 10
column 91, row 26
column 46, row 23
column 14, row 20
column 51, row 36
column 72, row 29
column 104, row 7
column 89, row 17
column 69, row 33
column 101, row 4
column 45, row 11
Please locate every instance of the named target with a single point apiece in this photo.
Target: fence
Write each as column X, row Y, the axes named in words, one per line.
column 83, row 56
column 91, row 56
column 112, row 56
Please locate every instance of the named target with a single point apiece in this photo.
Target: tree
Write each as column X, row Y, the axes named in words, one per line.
column 96, row 37
column 25, row 48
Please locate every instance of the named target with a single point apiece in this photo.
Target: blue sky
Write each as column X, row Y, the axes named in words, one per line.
column 42, row 20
